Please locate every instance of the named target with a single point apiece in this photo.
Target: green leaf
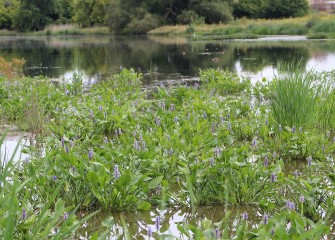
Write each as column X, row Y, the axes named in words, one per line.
column 108, row 222
column 144, row 206
column 154, row 182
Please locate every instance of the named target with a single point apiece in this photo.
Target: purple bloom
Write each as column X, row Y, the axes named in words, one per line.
column 293, row 129
column 274, row 154
column 213, row 128
column 54, row 177
column 158, row 223
column 67, row 149
column 117, row 173
column 245, row 216
column 309, row 161
column 280, row 129
column 254, row 143
column 62, row 142
column 149, row 232
column 229, row 126
column 273, row 177
column 171, row 152
column 137, row 146
column 266, row 122
column 100, row 108
column 90, row 154
column 217, row 233
column 91, row 113
column 265, row 219
column 266, row 161
column 24, row 214
column 158, row 121
column 172, row 107
column 302, row 199
column 65, row 216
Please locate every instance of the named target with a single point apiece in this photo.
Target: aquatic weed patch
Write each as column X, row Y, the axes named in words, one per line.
column 117, row 146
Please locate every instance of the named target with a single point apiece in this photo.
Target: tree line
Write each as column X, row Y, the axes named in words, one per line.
column 139, row 16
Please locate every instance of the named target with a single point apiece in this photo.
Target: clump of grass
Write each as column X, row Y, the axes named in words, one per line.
column 295, row 97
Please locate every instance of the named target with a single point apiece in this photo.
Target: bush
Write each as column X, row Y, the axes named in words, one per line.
column 215, row 12
column 187, row 17
column 143, row 26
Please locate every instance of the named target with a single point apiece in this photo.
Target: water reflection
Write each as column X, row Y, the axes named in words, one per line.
column 98, row 57
column 136, row 224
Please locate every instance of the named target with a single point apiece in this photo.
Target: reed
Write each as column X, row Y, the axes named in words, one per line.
column 295, row 97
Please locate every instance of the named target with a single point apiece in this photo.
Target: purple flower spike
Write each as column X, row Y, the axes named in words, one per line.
column 274, row 154
column 117, row 173
column 217, row 233
column 149, row 232
column 280, row 128
column 229, row 126
column 273, row 177
column 158, row 121
column 265, row 219
column 266, row 161
column 266, row 122
column 90, row 154
column 158, row 223
column 54, row 177
column 62, row 142
column 100, row 108
column 293, row 129
column 309, row 161
column 67, row 150
column 171, row 152
column 302, row 199
column 65, row 216
column 245, row 216
column 24, row 214
column 254, row 143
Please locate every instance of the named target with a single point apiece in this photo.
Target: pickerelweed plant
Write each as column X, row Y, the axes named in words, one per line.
column 118, row 146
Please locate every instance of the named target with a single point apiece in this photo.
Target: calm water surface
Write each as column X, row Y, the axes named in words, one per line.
column 162, row 59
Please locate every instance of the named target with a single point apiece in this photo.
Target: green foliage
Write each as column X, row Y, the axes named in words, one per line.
column 271, row 9
column 214, row 11
column 295, row 98
column 188, row 17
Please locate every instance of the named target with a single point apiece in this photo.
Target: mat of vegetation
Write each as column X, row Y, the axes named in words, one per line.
column 221, row 141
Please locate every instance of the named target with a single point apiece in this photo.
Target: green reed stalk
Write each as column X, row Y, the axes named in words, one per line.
column 295, row 98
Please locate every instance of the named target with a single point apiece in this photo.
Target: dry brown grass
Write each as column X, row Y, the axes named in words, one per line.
column 11, row 68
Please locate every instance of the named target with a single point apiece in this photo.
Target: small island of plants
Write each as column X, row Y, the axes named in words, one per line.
column 219, row 141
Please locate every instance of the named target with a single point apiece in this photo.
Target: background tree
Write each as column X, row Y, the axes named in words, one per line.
column 33, row 15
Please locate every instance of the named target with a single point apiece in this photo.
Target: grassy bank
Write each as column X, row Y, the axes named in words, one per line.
column 56, row 30
column 314, row 26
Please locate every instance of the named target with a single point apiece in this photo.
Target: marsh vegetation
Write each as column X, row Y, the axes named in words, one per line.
column 220, row 141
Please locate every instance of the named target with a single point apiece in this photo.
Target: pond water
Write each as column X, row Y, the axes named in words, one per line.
column 163, row 58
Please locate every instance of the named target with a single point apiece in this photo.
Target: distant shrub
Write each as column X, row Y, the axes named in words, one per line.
column 144, row 25
column 187, row 17
column 215, row 12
